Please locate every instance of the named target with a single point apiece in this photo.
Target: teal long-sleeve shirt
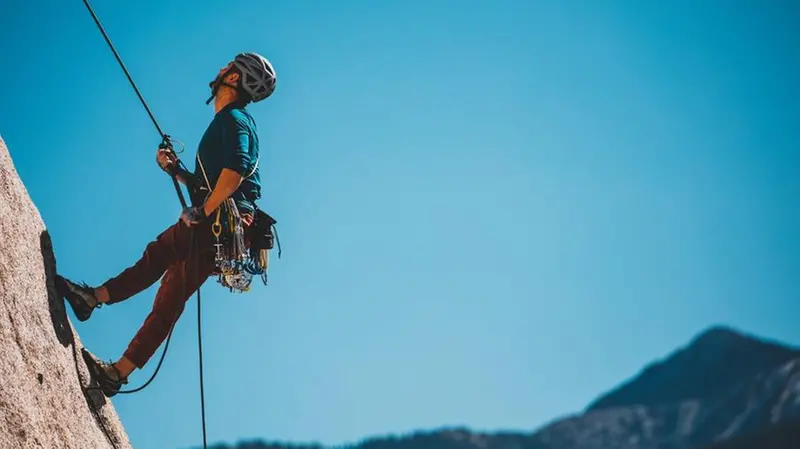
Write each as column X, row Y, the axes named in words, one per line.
column 231, row 141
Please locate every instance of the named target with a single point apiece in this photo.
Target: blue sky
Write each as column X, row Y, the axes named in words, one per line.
column 491, row 212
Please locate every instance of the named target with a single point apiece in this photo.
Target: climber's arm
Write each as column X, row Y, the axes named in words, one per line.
column 236, row 138
column 170, row 163
column 229, row 180
column 184, row 176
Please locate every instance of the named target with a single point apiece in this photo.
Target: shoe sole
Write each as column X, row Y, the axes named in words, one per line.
column 79, row 307
column 93, row 364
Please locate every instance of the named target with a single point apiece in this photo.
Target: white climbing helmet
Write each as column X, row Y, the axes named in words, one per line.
column 258, row 76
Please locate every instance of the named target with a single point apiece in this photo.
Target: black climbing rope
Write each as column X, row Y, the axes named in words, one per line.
column 200, row 359
column 165, row 139
column 166, row 143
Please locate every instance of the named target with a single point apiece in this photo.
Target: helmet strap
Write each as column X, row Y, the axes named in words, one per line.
column 220, row 81
column 215, row 88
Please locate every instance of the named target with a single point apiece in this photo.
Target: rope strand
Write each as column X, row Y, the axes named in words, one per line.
column 165, row 140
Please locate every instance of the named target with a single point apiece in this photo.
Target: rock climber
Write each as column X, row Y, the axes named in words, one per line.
column 183, row 255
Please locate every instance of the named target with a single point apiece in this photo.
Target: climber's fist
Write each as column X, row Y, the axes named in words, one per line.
column 166, row 159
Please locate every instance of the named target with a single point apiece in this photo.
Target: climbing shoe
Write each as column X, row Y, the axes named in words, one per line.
column 79, row 296
column 106, row 375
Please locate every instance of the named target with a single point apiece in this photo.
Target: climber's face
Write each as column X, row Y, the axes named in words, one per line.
column 226, row 76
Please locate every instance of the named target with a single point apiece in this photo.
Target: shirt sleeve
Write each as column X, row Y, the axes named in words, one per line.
column 236, row 142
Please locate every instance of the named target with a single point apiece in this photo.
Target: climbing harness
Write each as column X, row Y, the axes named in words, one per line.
column 235, row 265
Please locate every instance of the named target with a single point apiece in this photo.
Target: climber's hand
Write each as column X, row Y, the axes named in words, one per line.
column 166, row 159
column 193, row 215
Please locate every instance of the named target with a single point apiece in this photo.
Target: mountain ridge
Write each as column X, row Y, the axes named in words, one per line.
column 759, row 390
column 723, row 355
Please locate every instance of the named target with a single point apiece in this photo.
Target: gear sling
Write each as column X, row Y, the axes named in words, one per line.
column 236, row 265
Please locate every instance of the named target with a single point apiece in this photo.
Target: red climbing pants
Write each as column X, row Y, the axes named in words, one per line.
column 184, row 265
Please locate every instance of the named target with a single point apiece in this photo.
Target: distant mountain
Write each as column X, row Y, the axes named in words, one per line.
column 747, row 406
column 723, row 390
column 709, row 366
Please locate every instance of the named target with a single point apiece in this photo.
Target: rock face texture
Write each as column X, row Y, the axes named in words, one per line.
column 43, row 398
